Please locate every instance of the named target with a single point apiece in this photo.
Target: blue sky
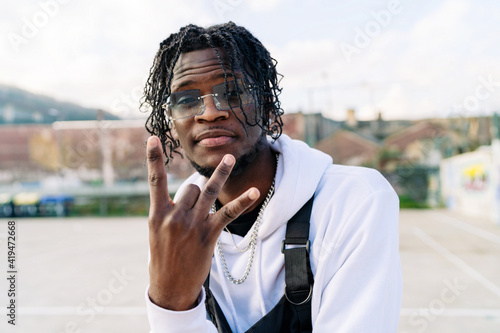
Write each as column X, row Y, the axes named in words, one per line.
column 406, row 58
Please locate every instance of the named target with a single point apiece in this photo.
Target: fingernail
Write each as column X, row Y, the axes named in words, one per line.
column 253, row 194
column 228, row 160
column 152, row 142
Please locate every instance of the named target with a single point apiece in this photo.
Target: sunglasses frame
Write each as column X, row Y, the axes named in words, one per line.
column 248, row 89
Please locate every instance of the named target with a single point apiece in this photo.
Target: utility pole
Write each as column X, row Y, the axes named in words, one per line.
column 106, row 159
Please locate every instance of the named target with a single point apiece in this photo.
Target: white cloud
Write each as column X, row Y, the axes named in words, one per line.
column 442, row 56
column 434, row 65
column 88, row 51
column 263, row 5
column 95, row 52
column 443, row 26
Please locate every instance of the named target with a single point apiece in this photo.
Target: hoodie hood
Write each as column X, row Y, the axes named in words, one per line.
column 299, row 172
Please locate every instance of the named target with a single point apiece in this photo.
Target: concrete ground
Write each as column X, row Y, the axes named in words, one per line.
column 451, row 272
column 89, row 274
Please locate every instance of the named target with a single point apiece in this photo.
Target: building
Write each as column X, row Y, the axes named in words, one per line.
column 471, row 182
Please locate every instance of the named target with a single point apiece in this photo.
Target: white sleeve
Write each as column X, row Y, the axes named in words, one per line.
column 361, row 288
column 191, row 321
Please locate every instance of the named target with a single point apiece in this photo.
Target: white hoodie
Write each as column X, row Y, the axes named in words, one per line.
column 354, row 251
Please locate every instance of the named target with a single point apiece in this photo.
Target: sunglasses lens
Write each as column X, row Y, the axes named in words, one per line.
column 184, row 104
column 231, row 98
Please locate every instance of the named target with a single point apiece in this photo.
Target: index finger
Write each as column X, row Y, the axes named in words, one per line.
column 157, row 176
column 214, row 185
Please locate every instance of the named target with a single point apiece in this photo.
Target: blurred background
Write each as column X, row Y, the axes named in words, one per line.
column 411, row 88
column 400, row 86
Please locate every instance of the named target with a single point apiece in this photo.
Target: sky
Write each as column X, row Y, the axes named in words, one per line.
column 407, row 59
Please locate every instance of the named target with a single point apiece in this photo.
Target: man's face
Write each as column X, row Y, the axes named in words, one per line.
column 206, row 138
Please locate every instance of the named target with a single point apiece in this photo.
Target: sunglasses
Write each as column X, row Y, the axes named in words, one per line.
column 190, row 103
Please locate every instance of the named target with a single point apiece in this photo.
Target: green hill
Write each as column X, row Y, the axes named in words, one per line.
column 19, row 106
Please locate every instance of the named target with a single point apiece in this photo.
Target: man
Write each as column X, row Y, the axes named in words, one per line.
column 214, row 92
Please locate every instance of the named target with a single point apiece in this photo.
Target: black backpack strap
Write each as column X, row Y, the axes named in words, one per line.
column 298, row 275
column 298, row 280
column 213, row 309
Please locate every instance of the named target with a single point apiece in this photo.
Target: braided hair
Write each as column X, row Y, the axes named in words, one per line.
column 243, row 52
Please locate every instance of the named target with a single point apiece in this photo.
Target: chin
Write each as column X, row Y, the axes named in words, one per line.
column 204, row 171
column 242, row 163
column 207, row 171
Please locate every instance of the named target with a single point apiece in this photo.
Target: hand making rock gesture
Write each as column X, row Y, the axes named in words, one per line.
column 182, row 235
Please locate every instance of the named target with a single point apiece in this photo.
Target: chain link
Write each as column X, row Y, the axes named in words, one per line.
column 253, row 240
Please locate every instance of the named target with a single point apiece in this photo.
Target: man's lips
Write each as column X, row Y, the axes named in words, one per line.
column 214, row 138
column 214, row 142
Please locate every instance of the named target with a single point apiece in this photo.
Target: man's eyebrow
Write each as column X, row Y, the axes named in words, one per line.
column 219, row 75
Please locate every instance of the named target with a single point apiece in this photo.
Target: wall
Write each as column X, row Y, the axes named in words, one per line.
column 471, row 183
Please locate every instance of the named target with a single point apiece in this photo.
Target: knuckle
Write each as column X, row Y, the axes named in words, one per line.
column 229, row 213
column 153, row 155
column 173, row 223
column 154, row 220
column 156, row 215
column 192, row 190
column 155, row 179
column 168, row 228
column 224, row 172
column 177, row 216
column 211, row 190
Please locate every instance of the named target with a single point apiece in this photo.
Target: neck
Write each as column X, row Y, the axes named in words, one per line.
column 259, row 173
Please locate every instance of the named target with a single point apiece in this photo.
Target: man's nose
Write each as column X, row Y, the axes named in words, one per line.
column 210, row 110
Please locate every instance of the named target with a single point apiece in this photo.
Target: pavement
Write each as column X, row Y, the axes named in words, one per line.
column 451, row 273
column 89, row 274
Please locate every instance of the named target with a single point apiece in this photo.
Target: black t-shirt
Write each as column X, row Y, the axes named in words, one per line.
column 244, row 222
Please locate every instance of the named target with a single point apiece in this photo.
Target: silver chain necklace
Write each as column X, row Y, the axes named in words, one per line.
column 253, row 239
